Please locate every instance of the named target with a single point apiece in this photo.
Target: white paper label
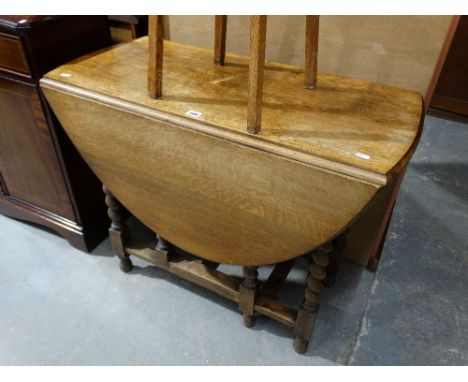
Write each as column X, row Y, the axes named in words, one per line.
column 362, row 156
column 193, row 113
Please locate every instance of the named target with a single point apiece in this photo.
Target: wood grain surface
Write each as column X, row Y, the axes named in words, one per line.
column 205, row 184
column 217, row 199
column 12, row 55
column 29, row 165
column 346, row 125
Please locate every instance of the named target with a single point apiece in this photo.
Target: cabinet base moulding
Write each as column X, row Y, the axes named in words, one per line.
column 72, row 232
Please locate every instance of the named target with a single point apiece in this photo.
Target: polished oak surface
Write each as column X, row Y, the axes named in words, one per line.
column 368, row 128
column 212, row 197
column 209, row 187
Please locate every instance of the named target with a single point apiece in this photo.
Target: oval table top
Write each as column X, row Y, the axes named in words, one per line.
column 351, row 126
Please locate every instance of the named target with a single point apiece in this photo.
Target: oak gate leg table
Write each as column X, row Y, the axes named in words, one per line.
column 234, row 160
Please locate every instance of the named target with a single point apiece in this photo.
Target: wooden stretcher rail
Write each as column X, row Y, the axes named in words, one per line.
column 213, row 280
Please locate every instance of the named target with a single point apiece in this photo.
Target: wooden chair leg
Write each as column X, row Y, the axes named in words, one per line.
column 307, row 312
column 220, row 39
column 118, row 231
column 155, row 59
column 247, row 293
column 256, row 68
column 133, row 30
column 311, row 51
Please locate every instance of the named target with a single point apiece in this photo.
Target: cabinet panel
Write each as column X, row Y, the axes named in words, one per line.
column 30, row 168
column 12, row 55
column 451, row 84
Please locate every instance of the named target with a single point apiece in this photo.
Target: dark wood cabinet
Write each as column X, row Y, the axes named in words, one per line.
column 28, row 163
column 448, row 90
column 43, row 179
column 125, row 28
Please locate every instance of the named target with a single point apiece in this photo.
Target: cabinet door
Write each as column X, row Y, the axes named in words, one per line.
column 451, row 89
column 28, row 162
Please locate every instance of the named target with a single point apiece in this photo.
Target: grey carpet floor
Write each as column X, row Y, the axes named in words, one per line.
column 59, row 306
column 418, row 308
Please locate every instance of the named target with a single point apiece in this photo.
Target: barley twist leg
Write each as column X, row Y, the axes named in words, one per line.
column 307, row 312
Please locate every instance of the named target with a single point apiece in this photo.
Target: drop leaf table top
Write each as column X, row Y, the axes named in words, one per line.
column 185, row 165
column 346, row 124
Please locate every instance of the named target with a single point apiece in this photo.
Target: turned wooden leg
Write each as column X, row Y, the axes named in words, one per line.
column 118, row 231
column 247, row 294
column 307, row 312
column 339, row 245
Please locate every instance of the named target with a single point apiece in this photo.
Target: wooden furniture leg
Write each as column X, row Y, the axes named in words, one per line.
column 307, row 312
column 118, row 231
column 155, row 59
column 311, row 51
column 276, row 279
column 162, row 248
column 247, row 293
column 220, row 39
column 339, row 245
column 133, row 30
column 256, row 67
